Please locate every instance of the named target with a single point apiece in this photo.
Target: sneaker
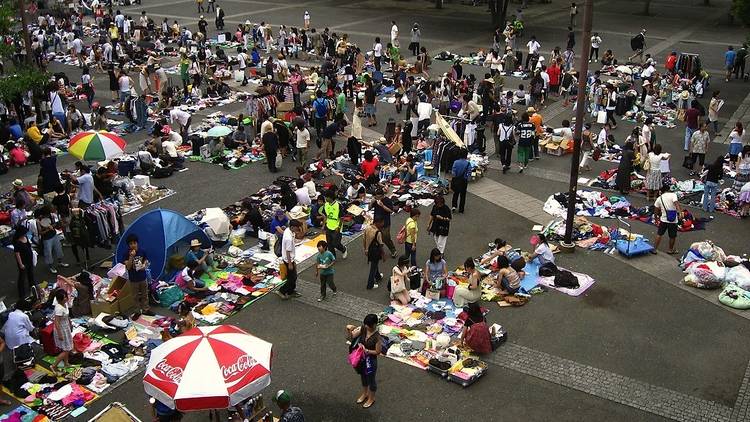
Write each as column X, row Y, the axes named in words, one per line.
column 393, row 254
column 335, row 293
column 281, row 295
column 53, row 270
column 63, row 264
column 320, row 298
column 375, row 286
column 345, row 253
column 453, row 209
column 296, row 294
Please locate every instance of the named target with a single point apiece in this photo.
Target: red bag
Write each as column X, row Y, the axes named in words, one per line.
column 47, row 338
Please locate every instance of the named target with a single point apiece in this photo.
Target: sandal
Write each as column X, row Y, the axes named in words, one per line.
column 368, row 404
column 672, row 252
column 361, row 399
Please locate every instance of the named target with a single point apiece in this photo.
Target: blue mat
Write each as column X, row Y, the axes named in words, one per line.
column 531, row 279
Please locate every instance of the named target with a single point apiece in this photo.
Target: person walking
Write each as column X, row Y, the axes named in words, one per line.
column 666, row 211
column 713, row 111
column 416, row 35
column 573, row 14
column 411, row 229
column 526, row 137
column 460, row 174
column 739, row 62
column 324, row 269
column 692, row 115
column 24, row 256
column 302, row 142
column 638, row 44
column 596, row 42
column 63, row 334
column 729, row 58
column 47, row 229
column 331, row 211
column 440, row 222
column 382, row 208
column 711, row 186
column 289, row 289
column 372, row 243
column 368, row 339
column 271, row 148
column 698, row 147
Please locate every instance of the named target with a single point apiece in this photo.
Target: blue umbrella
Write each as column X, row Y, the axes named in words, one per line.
column 217, row 131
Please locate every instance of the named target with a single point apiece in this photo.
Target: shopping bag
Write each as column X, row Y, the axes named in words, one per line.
column 601, row 117
column 355, row 356
column 239, row 75
column 279, row 160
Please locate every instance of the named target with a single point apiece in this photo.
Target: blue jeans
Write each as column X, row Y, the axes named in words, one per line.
column 52, row 250
column 506, row 285
column 411, row 253
column 374, row 275
column 709, row 196
column 688, row 134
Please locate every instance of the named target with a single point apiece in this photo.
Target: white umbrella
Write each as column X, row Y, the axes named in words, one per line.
column 218, row 223
column 217, row 131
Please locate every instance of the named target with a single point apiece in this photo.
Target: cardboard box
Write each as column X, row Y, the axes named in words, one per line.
column 285, row 106
column 124, row 302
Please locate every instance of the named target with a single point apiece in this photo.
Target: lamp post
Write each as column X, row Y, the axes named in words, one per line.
column 588, row 12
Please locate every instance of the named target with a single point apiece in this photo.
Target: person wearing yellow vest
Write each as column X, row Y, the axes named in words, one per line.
column 331, row 211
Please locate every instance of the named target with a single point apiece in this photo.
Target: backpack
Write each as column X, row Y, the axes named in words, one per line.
column 636, row 42
column 548, row 270
column 162, row 172
column 277, row 246
column 566, row 279
column 302, row 86
column 375, row 249
column 321, row 108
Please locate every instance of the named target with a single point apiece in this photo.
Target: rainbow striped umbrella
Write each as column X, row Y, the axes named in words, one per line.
column 96, row 146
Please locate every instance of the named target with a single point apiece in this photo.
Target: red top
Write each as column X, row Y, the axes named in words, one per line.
column 554, row 75
column 670, row 62
column 368, row 167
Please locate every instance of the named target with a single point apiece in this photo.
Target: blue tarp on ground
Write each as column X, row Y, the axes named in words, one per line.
column 159, row 232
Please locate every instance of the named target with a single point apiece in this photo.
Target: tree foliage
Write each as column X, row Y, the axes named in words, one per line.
column 741, row 10
column 22, row 80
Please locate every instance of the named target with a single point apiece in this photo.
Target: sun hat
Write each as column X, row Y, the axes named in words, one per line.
column 195, row 242
column 282, row 397
column 18, row 183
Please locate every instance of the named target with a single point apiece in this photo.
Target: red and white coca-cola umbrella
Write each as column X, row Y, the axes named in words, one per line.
column 208, row 368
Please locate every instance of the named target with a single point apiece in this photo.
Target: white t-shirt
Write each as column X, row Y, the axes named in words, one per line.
column 57, row 105
column 544, row 253
column 533, row 46
column 667, row 201
column 311, row 190
column 394, row 32
column 175, row 138
column 303, row 196
column 287, row 245
column 241, row 61
column 424, row 110
column 169, row 148
column 647, row 72
column 61, row 310
column 377, row 49
column 545, row 78
column 303, row 137
column 77, row 45
column 180, row 116
column 596, row 41
column 655, row 160
column 124, row 83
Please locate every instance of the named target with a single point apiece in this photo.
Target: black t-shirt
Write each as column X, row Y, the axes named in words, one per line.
column 270, row 141
column 62, row 204
column 440, row 227
column 24, row 249
column 526, row 134
column 370, row 95
column 382, row 213
column 330, row 131
column 282, row 132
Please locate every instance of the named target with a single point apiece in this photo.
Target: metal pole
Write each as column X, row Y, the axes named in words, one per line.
column 588, row 14
column 25, row 31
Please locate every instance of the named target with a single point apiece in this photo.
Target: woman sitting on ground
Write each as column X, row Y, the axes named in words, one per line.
column 189, row 280
column 435, row 268
column 400, row 281
column 508, row 279
column 475, row 334
column 502, row 248
column 472, row 291
column 542, row 251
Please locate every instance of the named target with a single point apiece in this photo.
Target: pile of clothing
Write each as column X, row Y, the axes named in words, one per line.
column 588, row 204
column 707, row 266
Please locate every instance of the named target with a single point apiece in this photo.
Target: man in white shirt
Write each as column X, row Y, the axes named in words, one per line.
column 78, row 51
column 667, row 207
column 303, row 196
column 180, row 118
column 648, row 71
column 533, row 46
column 394, row 34
column 289, row 289
column 170, row 149
column 303, row 139
column 377, row 52
column 596, row 41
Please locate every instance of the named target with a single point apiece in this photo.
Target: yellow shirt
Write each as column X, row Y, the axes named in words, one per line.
column 34, row 133
column 411, row 230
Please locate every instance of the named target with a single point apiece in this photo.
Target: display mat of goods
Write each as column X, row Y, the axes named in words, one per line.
column 142, row 196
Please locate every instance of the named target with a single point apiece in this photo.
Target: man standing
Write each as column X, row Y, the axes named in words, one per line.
column 383, row 208
column 729, row 57
column 377, row 53
column 394, row 34
column 270, row 148
column 533, row 46
column 136, row 263
column 638, row 44
column 667, row 207
column 739, row 62
column 372, row 243
column 321, row 112
column 526, row 137
column 85, row 182
column 460, row 174
column 289, row 289
column 331, row 210
column 691, row 123
column 303, row 139
column 573, row 14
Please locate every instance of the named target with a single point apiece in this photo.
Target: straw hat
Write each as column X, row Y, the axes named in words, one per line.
column 382, row 140
column 531, row 110
column 195, row 242
column 18, row 183
column 298, row 213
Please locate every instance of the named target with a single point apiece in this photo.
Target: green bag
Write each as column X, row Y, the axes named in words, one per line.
column 734, row 297
column 170, row 295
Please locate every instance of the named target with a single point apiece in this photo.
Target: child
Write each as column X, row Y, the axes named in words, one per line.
column 325, row 261
column 17, row 156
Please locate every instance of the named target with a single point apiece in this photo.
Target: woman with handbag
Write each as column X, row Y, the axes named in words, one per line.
column 652, row 166
column 373, row 248
column 367, row 345
column 399, row 280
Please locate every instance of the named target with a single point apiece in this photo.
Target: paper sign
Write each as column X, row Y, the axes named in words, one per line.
column 222, row 38
column 537, row 228
column 131, row 333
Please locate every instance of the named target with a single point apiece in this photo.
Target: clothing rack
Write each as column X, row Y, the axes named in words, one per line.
column 688, row 63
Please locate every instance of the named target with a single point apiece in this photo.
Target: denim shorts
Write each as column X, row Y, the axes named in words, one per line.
column 370, row 109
